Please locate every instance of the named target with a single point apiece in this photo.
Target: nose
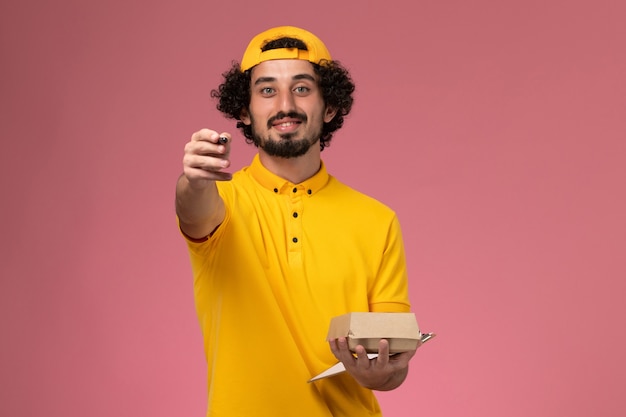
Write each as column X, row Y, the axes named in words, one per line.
column 286, row 101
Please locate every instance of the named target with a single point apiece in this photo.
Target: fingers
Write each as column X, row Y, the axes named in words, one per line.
column 207, row 156
column 359, row 359
column 211, row 136
column 383, row 353
column 381, row 372
column 209, row 143
column 352, row 360
column 339, row 347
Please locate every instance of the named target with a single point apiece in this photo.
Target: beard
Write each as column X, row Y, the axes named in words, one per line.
column 287, row 146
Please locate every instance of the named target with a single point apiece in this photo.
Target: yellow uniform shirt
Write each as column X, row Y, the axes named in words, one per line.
column 286, row 259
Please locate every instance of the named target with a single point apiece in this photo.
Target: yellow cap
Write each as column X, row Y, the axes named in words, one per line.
column 315, row 53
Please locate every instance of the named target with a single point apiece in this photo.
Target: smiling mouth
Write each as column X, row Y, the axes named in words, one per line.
column 286, row 127
column 286, row 121
column 286, row 124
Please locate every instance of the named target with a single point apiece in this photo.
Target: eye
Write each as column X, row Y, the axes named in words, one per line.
column 267, row 91
column 302, row 89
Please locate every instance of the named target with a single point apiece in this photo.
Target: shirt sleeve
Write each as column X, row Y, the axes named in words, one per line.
column 389, row 291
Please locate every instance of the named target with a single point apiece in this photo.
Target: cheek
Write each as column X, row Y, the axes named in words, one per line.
column 259, row 111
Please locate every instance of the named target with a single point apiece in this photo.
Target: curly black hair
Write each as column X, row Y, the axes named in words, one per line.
column 335, row 84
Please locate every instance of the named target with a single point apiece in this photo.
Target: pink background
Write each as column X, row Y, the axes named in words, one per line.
column 495, row 129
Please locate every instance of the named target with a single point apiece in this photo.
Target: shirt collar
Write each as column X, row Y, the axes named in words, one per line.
column 279, row 185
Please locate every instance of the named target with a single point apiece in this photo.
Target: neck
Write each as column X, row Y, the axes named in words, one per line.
column 294, row 170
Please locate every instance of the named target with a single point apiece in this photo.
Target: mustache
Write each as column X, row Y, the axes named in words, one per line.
column 291, row 115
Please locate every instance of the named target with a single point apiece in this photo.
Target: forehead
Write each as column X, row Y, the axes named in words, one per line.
column 282, row 69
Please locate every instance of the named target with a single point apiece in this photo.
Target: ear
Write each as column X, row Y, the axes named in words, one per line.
column 329, row 114
column 244, row 116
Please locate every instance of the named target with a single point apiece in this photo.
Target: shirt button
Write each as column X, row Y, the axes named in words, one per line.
column 309, row 191
column 295, row 214
column 295, row 190
column 295, row 240
column 275, row 190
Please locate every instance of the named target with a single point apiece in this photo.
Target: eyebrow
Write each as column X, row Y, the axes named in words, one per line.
column 261, row 80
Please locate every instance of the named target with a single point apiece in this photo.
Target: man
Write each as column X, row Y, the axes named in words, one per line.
column 281, row 247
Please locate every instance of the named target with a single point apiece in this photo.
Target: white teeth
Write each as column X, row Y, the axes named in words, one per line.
column 286, row 124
